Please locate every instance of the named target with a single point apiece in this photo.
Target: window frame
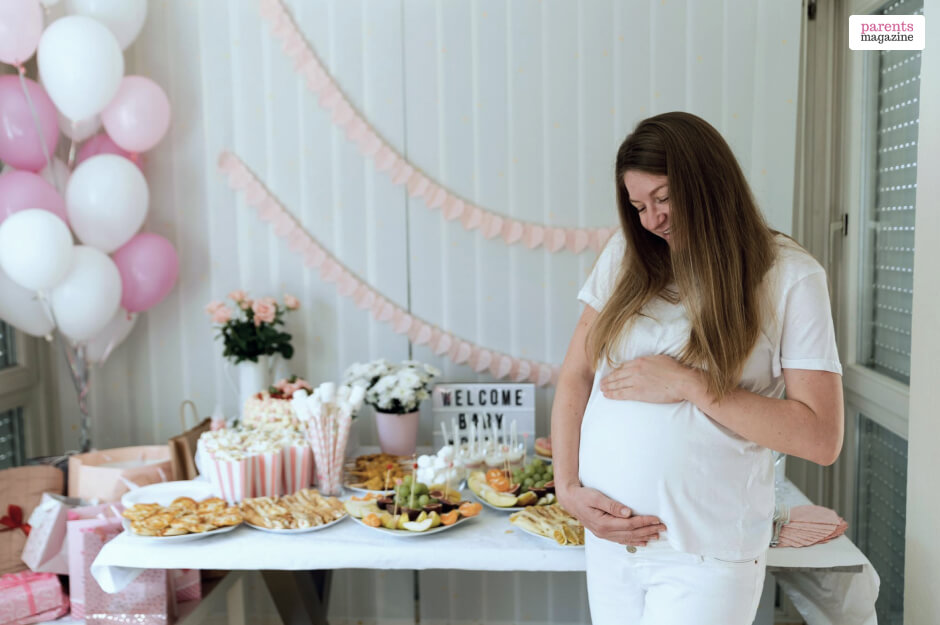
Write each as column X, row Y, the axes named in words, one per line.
column 29, row 384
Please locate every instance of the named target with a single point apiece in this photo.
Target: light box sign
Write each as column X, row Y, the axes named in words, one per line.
column 496, row 406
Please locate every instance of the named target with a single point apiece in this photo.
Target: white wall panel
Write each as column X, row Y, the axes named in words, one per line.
column 517, row 106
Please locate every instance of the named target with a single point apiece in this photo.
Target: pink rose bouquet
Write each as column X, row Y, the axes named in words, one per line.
column 252, row 328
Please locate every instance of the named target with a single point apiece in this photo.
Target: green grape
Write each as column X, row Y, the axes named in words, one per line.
column 407, row 480
column 537, row 463
column 540, row 484
column 528, row 482
column 423, row 500
column 421, row 489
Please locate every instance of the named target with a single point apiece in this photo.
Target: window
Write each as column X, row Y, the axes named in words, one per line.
column 888, row 248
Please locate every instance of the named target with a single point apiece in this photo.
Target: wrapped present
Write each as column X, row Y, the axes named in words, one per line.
column 21, row 490
column 108, row 474
column 187, row 583
column 45, row 550
column 147, row 600
column 31, row 598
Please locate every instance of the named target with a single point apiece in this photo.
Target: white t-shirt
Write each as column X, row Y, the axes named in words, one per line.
column 712, row 488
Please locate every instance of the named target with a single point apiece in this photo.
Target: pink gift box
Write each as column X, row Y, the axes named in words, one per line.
column 30, row 598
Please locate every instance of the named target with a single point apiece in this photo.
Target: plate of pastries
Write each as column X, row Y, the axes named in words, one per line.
column 304, row 511
column 183, row 519
column 552, row 523
column 375, row 473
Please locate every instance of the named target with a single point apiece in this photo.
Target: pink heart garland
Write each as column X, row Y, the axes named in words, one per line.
column 500, row 367
column 484, row 358
column 254, row 193
column 387, row 311
column 343, row 113
column 386, row 159
column 403, row 174
column 417, row 185
column 437, row 199
column 472, row 218
column 268, row 9
column 347, row 284
column 314, row 257
column 525, row 368
column 227, row 162
column 555, row 239
column 533, row 235
column 544, row 375
column 296, row 240
column 356, row 130
column 284, row 224
column 423, row 334
column 403, row 323
column 377, row 306
column 494, row 226
column 370, row 144
column 330, row 96
column 576, row 240
column 330, row 270
column 364, row 297
column 442, row 346
column 317, row 79
column 269, row 210
column 512, row 231
column 453, row 208
column 462, row 353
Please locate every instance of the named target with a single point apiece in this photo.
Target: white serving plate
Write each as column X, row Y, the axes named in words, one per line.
column 164, row 493
column 409, row 534
column 548, row 538
column 304, row 530
column 497, row 508
column 176, row 539
column 357, row 489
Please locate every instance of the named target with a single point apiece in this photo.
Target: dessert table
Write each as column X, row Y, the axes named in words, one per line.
column 809, row 575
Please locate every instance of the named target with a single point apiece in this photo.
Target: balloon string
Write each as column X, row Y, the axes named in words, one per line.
column 42, row 140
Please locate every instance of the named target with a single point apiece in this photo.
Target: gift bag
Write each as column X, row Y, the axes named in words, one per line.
column 183, row 447
column 21, row 490
column 86, row 537
column 148, row 600
column 106, row 475
column 31, row 598
column 45, row 550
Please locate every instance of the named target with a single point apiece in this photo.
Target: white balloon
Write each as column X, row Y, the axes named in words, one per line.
column 107, row 201
column 124, row 18
column 22, row 309
column 86, row 300
column 35, row 248
column 80, row 64
column 80, row 130
column 105, row 342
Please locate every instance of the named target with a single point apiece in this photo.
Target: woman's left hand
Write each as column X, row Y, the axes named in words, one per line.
column 653, row 379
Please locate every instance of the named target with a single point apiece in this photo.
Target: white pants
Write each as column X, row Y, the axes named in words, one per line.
column 657, row 585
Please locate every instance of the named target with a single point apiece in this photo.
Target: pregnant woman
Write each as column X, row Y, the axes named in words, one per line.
column 697, row 318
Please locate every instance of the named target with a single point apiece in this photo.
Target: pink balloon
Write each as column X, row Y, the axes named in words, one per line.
column 102, row 144
column 20, row 29
column 19, row 141
column 138, row 116
column 20, row 190
column 149, row 268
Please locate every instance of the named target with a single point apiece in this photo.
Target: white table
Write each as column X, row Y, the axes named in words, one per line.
column 485, row 543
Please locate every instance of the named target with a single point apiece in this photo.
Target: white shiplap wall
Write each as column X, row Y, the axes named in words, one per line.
column 517, row 106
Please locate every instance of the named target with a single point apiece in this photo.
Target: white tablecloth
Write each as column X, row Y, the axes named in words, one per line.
column 486, row 543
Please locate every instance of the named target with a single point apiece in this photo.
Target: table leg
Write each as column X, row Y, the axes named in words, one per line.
column 766, row 607
column 301, row 597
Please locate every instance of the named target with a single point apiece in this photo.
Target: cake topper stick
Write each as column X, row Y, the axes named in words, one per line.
column 444, row 432
column 388, row 472
column 414, row 477
column 450, row 467
column 525, row 447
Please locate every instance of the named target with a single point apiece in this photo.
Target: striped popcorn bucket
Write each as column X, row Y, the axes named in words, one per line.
column 232, row 479
column 298, row 468
column 268, row 474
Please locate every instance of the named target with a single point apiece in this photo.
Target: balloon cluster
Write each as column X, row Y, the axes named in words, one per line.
column 90, row 288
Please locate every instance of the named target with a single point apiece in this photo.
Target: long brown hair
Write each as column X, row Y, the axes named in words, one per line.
column 721, row 248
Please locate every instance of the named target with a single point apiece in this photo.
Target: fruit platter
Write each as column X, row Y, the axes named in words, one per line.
column 515, row 489
column 412, row 509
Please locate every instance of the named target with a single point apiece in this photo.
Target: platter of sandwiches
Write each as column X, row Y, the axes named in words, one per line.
column 304, row 511
column 550, row 523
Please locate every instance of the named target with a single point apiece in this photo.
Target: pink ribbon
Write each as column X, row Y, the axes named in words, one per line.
column 14, row 580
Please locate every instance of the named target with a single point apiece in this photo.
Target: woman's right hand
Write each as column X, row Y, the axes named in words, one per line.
column 609, row 519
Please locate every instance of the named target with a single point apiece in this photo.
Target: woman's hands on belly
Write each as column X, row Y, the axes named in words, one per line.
column 609, row 519
column 656, row 379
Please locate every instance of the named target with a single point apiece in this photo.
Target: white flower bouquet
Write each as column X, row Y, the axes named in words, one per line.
column 392, row 388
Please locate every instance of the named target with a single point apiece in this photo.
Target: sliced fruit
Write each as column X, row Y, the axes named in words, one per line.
column 418, row 526
column 402, row 521
column 389, row 521
column 421, row 517
column 498, row 499
column 476, row 481
column 359, row 509
column 435, row 519
column 527, row 499
column 372, row 520
column 450, row 518
column 469, row 509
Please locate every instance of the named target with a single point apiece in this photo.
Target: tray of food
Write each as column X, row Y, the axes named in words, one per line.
column 543, row 448
column 550, row 523
column 375, row 473
column 183, row 519
column 511, row 490
column 413, row 509
column 304, row 511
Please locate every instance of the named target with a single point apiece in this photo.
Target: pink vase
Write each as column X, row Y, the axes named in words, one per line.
column 398, row 433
